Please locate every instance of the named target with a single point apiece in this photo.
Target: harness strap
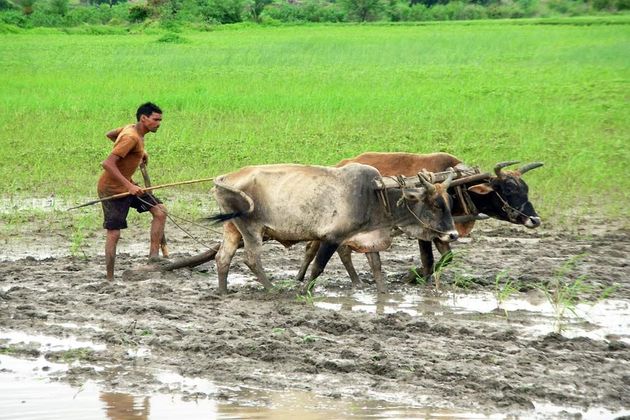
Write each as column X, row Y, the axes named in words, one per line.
column 509, row 210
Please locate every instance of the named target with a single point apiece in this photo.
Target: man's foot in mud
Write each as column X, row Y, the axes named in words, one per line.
column 156, row 259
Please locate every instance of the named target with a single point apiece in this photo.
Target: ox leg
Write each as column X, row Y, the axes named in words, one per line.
column 442, row 247
column 374, row 259
column 309, row 255
column 253, row 248
column 326, row 250
column 345, row 253
column 231, row 239
column 426, row 256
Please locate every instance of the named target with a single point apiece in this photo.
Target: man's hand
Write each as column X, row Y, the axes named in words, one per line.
column 145, row 159
column 113, row 134
column 135, row 190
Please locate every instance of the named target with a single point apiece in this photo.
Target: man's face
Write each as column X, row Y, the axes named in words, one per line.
column 152, row 122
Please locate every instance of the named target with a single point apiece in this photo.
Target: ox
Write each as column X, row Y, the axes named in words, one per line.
column 503, row 197
column 334, row 206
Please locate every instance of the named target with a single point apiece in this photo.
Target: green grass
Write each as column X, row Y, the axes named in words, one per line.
column 485, row 92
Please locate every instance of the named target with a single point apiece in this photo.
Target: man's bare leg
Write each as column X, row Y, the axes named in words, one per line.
column 157, row 229
column 111, row 240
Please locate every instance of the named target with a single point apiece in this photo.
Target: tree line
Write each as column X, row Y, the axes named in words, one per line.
column 61, row 13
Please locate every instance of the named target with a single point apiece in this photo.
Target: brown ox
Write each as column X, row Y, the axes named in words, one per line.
column 334, row 206
column 503, row 197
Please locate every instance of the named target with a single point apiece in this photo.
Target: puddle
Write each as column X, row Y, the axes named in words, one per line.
column 48, row 342
column 26, row 393
column 606, row 318
column 34, row 397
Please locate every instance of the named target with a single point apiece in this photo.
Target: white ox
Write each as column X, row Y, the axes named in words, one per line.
column 336, row 206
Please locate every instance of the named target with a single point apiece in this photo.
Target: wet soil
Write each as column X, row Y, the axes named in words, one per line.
column 176, row 321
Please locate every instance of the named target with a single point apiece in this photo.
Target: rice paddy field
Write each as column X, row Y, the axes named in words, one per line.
column 317, row 94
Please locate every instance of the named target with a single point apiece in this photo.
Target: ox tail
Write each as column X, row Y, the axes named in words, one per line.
column 224, row 217
column 233, row 199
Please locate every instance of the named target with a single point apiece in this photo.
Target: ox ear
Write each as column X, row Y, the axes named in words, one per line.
column 415, row 195
column 481, row 189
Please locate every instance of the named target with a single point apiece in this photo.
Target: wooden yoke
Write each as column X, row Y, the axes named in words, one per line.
column 461, row 175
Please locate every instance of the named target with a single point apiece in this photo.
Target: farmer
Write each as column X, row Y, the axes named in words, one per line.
column 122, row 162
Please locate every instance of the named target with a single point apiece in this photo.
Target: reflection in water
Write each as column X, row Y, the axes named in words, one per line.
column 597, row 321
column 125, row 407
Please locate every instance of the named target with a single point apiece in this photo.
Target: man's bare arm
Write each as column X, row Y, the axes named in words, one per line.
column 113, row 134
column 110, row 166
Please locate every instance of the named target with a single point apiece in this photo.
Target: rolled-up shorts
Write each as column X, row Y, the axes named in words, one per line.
column 115, row 211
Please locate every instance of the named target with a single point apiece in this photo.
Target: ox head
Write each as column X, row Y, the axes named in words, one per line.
column 430, row 209
column 504, row 196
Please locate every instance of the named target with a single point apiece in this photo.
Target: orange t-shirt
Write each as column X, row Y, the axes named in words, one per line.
column 129, row 146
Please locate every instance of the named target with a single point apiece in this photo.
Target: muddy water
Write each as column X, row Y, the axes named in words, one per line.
column 532, row 312
column 169, row 339
column 29, row 399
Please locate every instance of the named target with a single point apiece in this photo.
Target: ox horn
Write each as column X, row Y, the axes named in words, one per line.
column 501, row 165
column 448, row 180
column 430, row 187
column 530, row 166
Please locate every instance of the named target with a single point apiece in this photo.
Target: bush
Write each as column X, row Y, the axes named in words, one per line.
column 472, row 12
column 602, row 4
column 9, row 29
column 505, row 11
column 58, row 7
column 419, row 12
column 568, row 7
column 92, row 15
column 7, row 5
column 449, row 11
column 222, row 11
column 13, row 17
column 398, row 11
column 43, row 18
column 285, row 12
column 139, row 13
column 364, row 10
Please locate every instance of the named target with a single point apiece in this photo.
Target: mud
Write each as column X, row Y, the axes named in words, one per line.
column 145, row 322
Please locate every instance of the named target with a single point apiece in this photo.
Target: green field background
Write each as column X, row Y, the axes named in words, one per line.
column 318, row 94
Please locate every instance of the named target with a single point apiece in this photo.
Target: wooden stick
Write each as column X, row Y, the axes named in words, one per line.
column 147, row 183
column 125, row 194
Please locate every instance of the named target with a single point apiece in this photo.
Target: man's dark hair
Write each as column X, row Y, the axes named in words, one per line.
column 147, row 109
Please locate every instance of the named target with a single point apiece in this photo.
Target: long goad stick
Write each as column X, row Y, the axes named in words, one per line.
column 125, row 194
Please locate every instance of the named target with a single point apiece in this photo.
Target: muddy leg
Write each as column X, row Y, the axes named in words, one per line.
column 157, row 229
column 309, row 254
column 345, row 253
column 111, row 240
column 426, row 256
column 326, row 250
column 374, row 258
column 231, row 239
column 253, row 248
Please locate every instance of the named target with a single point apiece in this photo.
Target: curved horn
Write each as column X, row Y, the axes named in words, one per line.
column 530, row 166
column 501, row 165
column 447, row 181
column 430, row 187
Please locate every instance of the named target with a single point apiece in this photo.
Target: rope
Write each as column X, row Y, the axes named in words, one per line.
column 400, row 180
column 509, row 210
column 175, row 223
column 426, row 226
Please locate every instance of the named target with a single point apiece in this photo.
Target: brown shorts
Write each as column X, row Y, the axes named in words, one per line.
column 115, row 211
